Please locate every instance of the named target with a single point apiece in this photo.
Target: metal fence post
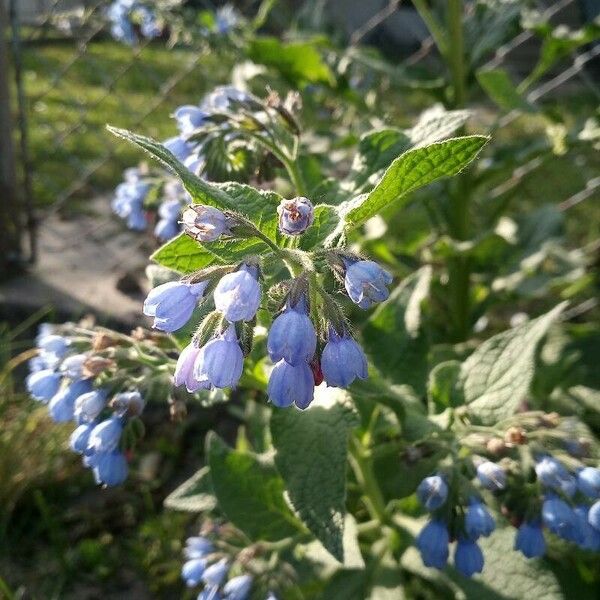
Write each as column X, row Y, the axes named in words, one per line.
column 11, row 213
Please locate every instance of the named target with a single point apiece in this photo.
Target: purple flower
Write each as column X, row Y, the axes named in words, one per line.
column 559, row 518
column 215, row 574
column 342, row 360
column 189, row 118
column 237, row 588
column 72, row 366
column 295, row 215
column 106, row 436
column 530, row 539
column 197, row 547
column 192, row 571
column 432, row 492
column 166, row 230
column 432, row 542
column 62, row 406
column 110, row 468
column 491, row 476
column 178, row 147
column 588, row 482
column 366, row 282
column 237, row 294
column 478, row 520
column 552, row 474
column 588, row 538
column 79, row 439
column 594, row 516
column 128, row 403
column 172, row 304
column 184, row 370
column 468, row 558
column 291, row 385
column 204, row 223
column 88, row 406
column 292, row 336
column 220, row 362
column 42, row 385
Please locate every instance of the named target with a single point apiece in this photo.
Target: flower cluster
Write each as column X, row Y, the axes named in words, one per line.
column 64, row 379
column 131, row 20
column 560, row 504
column 132, row 198
column 301, row 358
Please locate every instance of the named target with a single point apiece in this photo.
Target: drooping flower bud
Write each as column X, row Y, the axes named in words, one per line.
column 237, row 294
column 295, row 215
column 342, row 360
column 491, row 476
column 432, row 543
column 204, row 223
column 291, row 385
column 220, row 362
column 432, row 492
column 530, row 540
column 478, row 521
column 468, row 558
column 366, row 282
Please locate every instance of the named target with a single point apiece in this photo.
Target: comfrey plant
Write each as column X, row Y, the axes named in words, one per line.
column 133, row 20
column 214, row 140
column 275, row 304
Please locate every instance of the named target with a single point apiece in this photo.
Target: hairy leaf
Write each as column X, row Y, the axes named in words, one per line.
column 495, row 379
column 298, row 61
column 412, row 170
column 250, row 492
column 195, row 495
column 311, row 457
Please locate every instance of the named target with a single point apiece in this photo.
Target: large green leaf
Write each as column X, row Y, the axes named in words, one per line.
column 508, row 575
column 195, row 495
column 298, row 61
column 378, row 149
column 393, row 336
column 311, row 457
column 250, row 492
column 326, row 220
column 412, row 170
column 495, row 379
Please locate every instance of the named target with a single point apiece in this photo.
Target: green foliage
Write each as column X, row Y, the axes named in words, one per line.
column 250, row 492
column 499, row 87
column 316, row 485
column 299, row 62
column 495, row 379
column 195, row 495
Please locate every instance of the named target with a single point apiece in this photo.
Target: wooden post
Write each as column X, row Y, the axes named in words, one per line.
column 11, row 214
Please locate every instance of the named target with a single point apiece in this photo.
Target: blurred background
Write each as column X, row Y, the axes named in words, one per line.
column 64, row 255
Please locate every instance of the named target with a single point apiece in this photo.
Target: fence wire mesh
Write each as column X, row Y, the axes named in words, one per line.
column 71, row 78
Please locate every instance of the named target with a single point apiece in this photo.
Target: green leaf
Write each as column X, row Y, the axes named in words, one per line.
column 393, row 337
column 326, row 220
column 195, row 495
column 413, row 169
column 250, row 492
column 378, row 149
column 349, row 584
column 442, row 388
column 311, row 455
column 298, row 61
column 508, row 575
column 499, row 87
column 200, row 190
column 495, row 379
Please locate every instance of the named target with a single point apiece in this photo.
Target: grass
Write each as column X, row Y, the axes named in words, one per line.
column 68, row 108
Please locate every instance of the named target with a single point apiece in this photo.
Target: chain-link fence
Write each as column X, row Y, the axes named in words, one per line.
column 69, row 78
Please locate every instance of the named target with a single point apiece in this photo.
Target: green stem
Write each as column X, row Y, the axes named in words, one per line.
column 295, row 175
column 363, row 471
column 435, row 29
column 456, row 51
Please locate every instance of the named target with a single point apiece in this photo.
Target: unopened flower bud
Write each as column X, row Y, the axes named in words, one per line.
column 204, row 223
column 94, row 365
column 496, row 446
column 295, row 215
column 515, row 436
column 102, row 341
column 550, row 420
